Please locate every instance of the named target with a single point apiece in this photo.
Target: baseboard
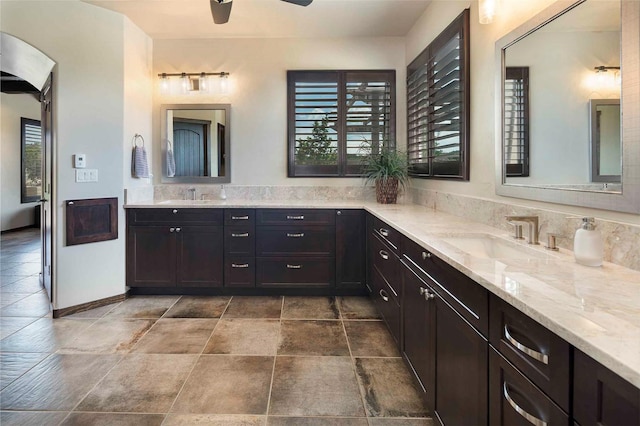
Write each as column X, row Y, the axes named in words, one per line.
column 22, row 228
column 58, row 313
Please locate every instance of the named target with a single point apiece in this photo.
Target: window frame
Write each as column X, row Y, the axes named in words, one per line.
column 340, row 77
column 24, row 198
column 461, row 26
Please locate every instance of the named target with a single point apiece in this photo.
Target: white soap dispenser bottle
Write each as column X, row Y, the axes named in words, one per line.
column 223, row 193
column 588, row 246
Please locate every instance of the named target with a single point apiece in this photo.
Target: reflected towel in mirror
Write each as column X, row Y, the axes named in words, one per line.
column 171, row 161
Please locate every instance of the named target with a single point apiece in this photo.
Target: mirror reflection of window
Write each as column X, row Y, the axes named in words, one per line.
column 31, row 135
column 605, row 140
column 516, row 121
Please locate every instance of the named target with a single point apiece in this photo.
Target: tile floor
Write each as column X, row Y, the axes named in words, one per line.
column 170, row 360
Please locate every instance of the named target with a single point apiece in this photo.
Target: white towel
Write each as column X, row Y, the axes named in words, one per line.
column 139, row 163
column 171, row 161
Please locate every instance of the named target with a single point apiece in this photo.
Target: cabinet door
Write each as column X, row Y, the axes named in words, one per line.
column 419, row 333
column 601, row 397
column 199, row 255
column 461, row 369
column 350, row 248
column 151, row 254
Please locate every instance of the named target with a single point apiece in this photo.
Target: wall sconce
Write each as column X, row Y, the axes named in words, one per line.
column 606, row 78
column 189, row 83
column 488, row 9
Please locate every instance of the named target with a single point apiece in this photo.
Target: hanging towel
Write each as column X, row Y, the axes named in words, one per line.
column 139, row 162
column 171, row 160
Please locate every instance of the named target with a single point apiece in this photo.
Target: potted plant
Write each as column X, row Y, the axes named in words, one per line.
column 389, row 170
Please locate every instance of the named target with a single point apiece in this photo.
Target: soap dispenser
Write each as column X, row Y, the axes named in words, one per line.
column 587, row 245
column 223, row 193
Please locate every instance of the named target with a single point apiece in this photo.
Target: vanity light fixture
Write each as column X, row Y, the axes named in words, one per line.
column 604, row 77
column 488, row 9
column 192, row 83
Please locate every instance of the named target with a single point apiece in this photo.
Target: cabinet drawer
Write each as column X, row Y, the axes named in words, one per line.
column 541, row 355
column 514, row 400
column 387, row 306
column 295, row 241
column 175, row 216
column 388, row 265
column 239, row 241
column 240, row 217
column 387, row 234
column 295, row 272
column 295, row 217
column 469, row 298
column 240, row 272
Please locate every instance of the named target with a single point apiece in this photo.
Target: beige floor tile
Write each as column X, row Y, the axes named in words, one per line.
column 227, row 384
column 44, row 335
column 151, row 307
column 265, row 307
column 35, row 305
column 58, row 383
column 95, row 313
column 108, row 335
column 176, row 336
column 315, row 386
column 244, row 337
column 213, row 420
column 20, row 284
column 310, row 308
column 113, row 419
column 388, row 389
column 198, row 307
column 9, row 298
column 31, row 418
column 14, row 365
column 9, row 325
column 370, row 339
column 312, row 338
column 380, row 421
column 140, row 383
column 357, row 308
column 317, row 421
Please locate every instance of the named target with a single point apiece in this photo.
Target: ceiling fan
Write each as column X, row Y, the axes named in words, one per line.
column 221, row 9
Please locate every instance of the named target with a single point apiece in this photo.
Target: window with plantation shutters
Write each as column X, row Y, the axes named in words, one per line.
column 438, row 105
column 516, row 121
column 336, row 119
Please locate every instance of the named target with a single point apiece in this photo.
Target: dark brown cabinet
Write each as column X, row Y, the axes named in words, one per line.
column 239, row 248
column 174, row 248
column 601, row 397
column 350, row 249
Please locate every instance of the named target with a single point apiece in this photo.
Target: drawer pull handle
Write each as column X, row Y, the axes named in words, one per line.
column 300, row 235
column 384, row 295
column 530, row 418
column 422, row 291
column 294, row 266
column 244, row 235
column 239, row 217
column 538, row 356
column 429, row 295
column 174, row 211
column 172, row 229
column 384, row 232
column 301, row 217
column 239, row 265
column 426, row 255
column 384, row 255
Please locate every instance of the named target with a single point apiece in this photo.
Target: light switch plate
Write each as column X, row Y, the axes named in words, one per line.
column 86, row 175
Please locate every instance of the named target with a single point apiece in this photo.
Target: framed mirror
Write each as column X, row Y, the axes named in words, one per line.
column 552, row 70
column 195, row 143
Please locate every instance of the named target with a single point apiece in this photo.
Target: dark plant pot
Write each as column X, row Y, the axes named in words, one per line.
column 387, row 191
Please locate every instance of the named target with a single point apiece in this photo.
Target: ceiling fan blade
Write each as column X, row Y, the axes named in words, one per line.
column 220, row 11
column 299, row 2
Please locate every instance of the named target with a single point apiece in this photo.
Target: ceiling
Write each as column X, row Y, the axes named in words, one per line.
column 179, row 19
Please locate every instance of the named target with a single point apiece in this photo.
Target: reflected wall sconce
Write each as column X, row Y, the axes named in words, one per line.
column 488, row 9
column 192, row 83
column 607, row 76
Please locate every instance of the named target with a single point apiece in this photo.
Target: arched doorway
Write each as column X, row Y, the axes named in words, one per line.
column 29, row 70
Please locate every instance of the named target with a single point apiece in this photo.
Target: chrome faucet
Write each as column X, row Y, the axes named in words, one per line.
column 533, row 235
column 193, row 193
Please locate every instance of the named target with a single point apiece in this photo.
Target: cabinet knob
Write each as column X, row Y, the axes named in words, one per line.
column 422, row 291
column 384, row 295
column 384, row 232
column 428, row 295
column 339, row 212
column 178, row 229
column 174, row 211
column 384, row 254
column 172, row 229
column 426, row 255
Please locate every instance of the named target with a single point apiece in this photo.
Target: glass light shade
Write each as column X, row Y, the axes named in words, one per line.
column 185, row 84
column 164, row 85
column 203, row 83
column 488, row 10
column 224, row 84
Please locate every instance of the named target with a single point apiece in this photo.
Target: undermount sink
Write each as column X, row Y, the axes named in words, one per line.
column 487, row 246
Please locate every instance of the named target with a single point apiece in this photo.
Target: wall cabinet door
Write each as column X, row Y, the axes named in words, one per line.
column 199, row 256
column 419, row 333
column 151, row 254
column 350, row 248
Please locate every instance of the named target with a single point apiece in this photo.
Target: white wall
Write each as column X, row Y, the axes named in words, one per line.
column 13, row 213
column 87, row 43
column 258, row 94
column 483, row 38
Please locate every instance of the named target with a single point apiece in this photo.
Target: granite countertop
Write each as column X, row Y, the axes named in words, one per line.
column 597, row 310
